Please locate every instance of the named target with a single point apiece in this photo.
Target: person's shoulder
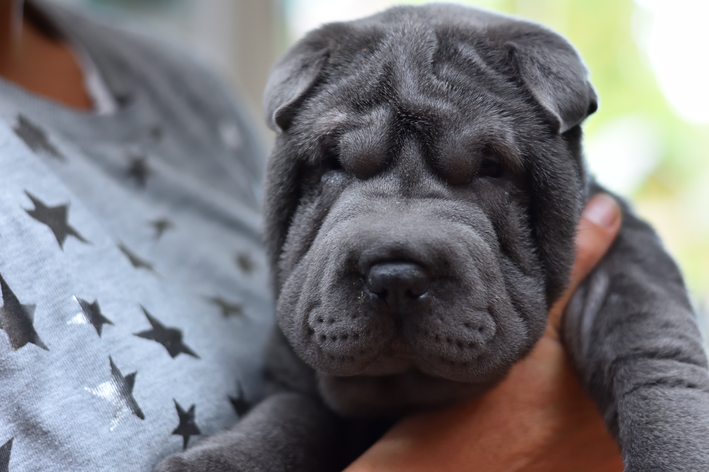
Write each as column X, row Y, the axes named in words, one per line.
column 115, row 41
column 137, row 61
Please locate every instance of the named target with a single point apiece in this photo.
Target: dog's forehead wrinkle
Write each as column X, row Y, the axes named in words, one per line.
column 412, row 44
column 467, row 53
column 338, row 120
column 430, row 119
column 480, row 138
column 411, row 57
column 420, row 103
column 373, row 122
column 419, row 45
column 475, row 58
column 326, row 124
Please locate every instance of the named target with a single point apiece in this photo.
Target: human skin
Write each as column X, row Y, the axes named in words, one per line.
column 40, row 64
column 537, row 420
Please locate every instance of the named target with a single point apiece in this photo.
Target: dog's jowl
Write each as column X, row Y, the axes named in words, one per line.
column 420, row 214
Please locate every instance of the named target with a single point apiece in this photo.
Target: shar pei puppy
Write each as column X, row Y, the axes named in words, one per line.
column 420, row 214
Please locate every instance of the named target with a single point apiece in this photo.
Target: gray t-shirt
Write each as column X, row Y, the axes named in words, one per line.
column 135, row 299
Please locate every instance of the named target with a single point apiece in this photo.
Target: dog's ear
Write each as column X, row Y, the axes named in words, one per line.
column 554, row 74
column 291, row 78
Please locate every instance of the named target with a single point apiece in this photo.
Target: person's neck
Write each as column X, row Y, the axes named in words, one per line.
column 40, row 63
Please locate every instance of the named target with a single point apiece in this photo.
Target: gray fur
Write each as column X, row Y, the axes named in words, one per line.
column 446, row 140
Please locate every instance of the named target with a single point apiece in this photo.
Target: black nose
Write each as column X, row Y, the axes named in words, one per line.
column 398, row 283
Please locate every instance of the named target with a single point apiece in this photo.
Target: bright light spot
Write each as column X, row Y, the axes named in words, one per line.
column 623, row 153
column 677, row 47
column 309, row 14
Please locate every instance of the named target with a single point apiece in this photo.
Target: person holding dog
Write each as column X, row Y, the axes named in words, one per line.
column 130, row 260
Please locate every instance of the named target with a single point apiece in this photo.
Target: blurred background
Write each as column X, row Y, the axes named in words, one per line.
column 649, row 61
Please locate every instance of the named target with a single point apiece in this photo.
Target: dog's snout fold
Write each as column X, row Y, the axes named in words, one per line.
column 398, row 283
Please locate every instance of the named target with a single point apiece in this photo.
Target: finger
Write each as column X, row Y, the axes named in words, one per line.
column 599, row 225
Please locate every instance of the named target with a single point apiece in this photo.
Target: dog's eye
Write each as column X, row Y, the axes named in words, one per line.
column 331, row 163
column 490, row 168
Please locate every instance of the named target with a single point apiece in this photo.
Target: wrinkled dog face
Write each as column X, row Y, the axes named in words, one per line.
column 422, row 199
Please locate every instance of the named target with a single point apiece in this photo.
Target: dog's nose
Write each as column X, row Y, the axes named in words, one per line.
column 398, row 283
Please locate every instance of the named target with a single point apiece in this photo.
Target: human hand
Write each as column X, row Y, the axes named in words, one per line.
column 536, row 420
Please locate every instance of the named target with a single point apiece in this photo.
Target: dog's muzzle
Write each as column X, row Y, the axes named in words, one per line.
column 390, row 285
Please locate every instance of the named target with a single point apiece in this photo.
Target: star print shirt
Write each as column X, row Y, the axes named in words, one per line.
column 134, row 300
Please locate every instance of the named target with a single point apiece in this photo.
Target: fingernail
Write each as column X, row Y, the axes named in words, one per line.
column 602, row 210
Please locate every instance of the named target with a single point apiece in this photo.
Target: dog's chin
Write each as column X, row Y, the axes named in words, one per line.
column 399, row 381
column 398, row 358
column 394, row 395
column 389, row 366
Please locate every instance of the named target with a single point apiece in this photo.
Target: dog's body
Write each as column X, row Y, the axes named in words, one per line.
column 421, row 207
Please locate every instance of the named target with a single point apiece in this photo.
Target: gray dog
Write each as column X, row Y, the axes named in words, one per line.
column 420, row 213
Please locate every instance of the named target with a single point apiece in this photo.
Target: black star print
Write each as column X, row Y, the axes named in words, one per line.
column 245, row 263
column 17, row 320
column 240, row 404
column 55, row 217
column 161, row 225
column 139, row 170
column 5, row 451
column 170, row 338
column 228, row 309
column 90, row 313
column 35, row 138
column 135, row 261
column 119, row 391
column 187, row 426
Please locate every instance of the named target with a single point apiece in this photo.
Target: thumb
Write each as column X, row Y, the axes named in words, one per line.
column 599, row 225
